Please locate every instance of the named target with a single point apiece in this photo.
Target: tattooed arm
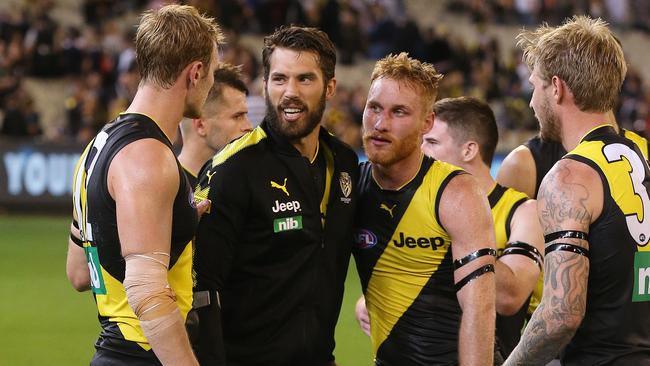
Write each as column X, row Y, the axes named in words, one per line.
column 564, row 203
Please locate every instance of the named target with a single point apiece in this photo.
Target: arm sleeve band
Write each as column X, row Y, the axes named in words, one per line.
column 567, row 248
column 471, row 256
column 566, row 234
column 474, row 275
column 75, row 224
column 522, row 248
column 76, row 241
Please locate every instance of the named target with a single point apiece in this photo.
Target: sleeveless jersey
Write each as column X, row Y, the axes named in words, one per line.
column 546, row 154
column 504, row 202
column 404, row 259
column 95, row 211
column 616, row 328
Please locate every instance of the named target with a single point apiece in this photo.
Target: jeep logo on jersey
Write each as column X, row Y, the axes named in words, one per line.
column 641, row 290
column 410, row 242
column 286, row 206
column 287, row 223
column 365, row 239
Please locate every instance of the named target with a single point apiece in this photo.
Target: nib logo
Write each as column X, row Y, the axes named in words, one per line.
column 287, row 223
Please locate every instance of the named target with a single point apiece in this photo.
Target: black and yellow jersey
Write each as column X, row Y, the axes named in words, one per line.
column 404, row 260
column 616, row 328
column 95, row 210
column 504, row 203
column 546, row 154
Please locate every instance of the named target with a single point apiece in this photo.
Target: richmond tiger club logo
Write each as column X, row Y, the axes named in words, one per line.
column 346, row 186
column 365, row 239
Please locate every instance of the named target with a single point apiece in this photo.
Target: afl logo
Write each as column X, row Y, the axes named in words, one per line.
column 365, row 239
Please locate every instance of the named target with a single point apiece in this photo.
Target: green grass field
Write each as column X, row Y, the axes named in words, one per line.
column 45, row 322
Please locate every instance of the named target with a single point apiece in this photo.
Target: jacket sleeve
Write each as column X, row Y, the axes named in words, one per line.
column 215, row 244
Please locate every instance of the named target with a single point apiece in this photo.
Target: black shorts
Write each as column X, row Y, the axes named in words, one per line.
column 119, row 352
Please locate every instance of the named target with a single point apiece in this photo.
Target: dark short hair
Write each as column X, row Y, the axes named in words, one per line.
column 226, row 75
column 469, row 118
column 301, row 39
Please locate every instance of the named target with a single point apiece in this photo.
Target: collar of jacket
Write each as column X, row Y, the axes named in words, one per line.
column 283, row 145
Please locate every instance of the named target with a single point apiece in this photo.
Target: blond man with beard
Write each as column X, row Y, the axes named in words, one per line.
column 133, row 216
column 593, row 206
column 424, row 234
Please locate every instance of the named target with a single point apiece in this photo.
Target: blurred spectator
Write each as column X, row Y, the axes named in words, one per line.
column 381, row 32
column 20, row 118
column 96, row 57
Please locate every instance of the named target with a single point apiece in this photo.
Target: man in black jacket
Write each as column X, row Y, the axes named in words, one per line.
column 273, row 250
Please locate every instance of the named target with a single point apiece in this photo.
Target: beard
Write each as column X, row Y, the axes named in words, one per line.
column 396, row 151
column 191, row 111
column 549, row 124
column 298, row 129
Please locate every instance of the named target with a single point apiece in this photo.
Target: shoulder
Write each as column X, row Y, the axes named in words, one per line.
column 237, row 148
column 518, row 161
column 144, row 164
column 518, row 170
column 521, row 156
column 570, row 170
column 527, row 210
column 570, row 182
column 440, row 174
column 638, row 140
column 462, row 201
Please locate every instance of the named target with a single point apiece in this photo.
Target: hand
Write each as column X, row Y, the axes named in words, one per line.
column 361, row 313
column 202, row 207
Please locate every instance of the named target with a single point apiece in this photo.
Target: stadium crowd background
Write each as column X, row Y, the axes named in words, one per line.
column 67, row 66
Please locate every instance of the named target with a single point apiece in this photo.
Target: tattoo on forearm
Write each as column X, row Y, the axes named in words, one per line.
column 561, row 202
column 564, row 296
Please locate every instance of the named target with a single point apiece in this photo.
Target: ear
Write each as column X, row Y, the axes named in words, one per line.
column 200, row 127
column 558, row 89
column 194, row 73
column 470, row 150
column 428, row 122
column 330, row 88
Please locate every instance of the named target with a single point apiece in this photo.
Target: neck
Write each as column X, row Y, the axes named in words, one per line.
column 193, row 155
column 162, row 105
column 397, row 175
column 481, row 172
column 576, row 125
column 307, row 146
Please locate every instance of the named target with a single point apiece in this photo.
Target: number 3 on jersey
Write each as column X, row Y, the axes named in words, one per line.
column 637, row 222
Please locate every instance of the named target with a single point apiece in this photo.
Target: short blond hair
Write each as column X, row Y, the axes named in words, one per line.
column 582, row 52
column 170, row 38
column 403, row 68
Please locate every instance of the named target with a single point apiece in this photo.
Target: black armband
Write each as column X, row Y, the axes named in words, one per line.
column 78, row 242
column 471, row 256
column 567, row 248
column 566, row 234
column 519, row 247
column 474, row 275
